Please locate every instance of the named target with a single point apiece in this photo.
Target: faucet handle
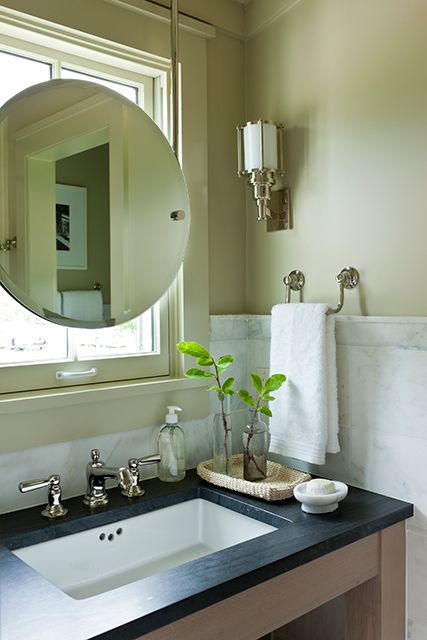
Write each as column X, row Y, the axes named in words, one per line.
column 54, row 508
column 95, row 455
column 135, row 490
column 154, row 459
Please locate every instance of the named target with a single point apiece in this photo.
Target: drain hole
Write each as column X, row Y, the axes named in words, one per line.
column 102, row 536
column 119, row 531
column 111, row 536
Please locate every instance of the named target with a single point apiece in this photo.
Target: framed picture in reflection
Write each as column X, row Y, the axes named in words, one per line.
column 71, row 227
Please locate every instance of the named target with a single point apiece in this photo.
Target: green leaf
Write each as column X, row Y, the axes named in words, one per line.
column 268, row 398
column 246, row 397
column 257, row 382
column 198, row 373
column 227, row 385
column 224, row 362
column 217, row 389
column 193, row 349
column 266, row 411
column 203, row 361
column 274, row 382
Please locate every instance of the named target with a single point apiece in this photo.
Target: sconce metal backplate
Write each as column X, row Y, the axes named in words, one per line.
column 281, row 210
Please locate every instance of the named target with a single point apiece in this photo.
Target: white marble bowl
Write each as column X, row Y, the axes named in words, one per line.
column 320, row 503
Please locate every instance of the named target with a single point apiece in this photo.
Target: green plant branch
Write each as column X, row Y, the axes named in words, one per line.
column 263, row 389
column 205, row 359
column 249, row 454
column 221, row 397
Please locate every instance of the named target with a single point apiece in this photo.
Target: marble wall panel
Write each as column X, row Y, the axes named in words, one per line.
column 417, row 582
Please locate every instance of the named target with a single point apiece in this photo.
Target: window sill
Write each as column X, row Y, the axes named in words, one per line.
column 49, row 399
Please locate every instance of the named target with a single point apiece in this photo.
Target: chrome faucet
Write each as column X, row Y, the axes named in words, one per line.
column 135, row 490
column 54, row 507
column 96, row 474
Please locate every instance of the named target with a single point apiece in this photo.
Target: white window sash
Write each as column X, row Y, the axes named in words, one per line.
column 148, row 74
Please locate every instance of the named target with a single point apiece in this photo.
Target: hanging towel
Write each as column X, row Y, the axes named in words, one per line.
column 83, row 305
column 305, row 413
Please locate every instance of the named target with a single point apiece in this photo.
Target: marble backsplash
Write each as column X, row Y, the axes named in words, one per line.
column 71, row 457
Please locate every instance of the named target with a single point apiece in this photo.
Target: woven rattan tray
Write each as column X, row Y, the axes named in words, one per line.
column 278, row 485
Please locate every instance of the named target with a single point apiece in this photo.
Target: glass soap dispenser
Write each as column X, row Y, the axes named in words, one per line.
column 172, row 449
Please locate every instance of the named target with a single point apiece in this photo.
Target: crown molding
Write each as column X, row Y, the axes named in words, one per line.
column 202, row 17
column 15, row 24
column 259, row 17
column 156, row 11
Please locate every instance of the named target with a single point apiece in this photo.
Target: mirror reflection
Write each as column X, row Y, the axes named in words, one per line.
column 90, row 190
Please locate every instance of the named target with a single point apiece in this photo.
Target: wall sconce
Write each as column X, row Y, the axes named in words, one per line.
column 260, row 157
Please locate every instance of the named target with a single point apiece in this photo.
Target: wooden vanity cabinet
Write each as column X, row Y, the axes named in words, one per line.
column 368, row 577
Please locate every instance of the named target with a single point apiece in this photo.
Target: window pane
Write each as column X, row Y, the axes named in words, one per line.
column 26, row 338
column 125, row 90
column 135, row 337
column 17, row 73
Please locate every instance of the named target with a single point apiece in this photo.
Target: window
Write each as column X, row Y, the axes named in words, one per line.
column 32, row 349
column 19, row 72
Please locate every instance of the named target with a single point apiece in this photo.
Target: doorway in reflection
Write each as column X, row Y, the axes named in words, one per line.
column 88, row 169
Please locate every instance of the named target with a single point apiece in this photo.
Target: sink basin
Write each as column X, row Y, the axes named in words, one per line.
column 91, row 562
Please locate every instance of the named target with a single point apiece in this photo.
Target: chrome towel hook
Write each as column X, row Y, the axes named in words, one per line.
column 348, row 278
column 294, row 281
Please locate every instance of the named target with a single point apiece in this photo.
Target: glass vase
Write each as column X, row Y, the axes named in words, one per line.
column 255, row 448
column 222, row 438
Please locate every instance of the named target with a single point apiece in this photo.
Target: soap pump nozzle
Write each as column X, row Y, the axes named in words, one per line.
column 171, row 417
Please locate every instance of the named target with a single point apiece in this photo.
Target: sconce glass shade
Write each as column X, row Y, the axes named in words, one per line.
column 260, row 147
column 257, row 154
column 260, row 157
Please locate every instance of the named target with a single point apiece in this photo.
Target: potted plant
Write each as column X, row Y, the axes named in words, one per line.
column 255, row 435
column 222, row 444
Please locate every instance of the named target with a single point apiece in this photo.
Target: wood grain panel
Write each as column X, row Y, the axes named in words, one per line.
column 362, row 621
column 257, row 611
column 324, row 623
column 375, row 610
column 393, row 582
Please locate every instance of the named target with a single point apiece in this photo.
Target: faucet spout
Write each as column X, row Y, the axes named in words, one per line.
column 96, row 475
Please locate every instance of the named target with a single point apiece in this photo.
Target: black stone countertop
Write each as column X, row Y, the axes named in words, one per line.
column 34, row 609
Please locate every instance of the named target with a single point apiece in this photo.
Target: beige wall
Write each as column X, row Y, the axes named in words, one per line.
column 227, row 237
column 349, row 80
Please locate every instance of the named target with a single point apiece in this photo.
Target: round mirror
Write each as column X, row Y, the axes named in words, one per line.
column 94, row 210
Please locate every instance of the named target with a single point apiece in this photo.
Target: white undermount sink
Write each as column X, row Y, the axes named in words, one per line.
column 91, row 562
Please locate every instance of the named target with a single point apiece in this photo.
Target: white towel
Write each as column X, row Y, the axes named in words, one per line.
column 305, row 413
column 82, row 305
